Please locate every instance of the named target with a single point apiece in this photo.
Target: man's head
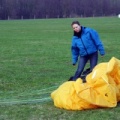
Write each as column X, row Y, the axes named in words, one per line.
column 76, row 26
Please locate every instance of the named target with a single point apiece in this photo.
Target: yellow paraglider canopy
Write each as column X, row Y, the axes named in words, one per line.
column 102, row 89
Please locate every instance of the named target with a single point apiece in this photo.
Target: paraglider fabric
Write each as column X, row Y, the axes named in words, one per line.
column 102, row 89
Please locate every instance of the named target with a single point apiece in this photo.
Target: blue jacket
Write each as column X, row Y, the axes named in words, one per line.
column 88, row 43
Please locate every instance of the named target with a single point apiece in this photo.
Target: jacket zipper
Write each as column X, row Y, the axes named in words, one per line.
column 84, row 46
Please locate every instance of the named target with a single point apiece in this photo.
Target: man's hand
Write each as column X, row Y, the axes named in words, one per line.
column 73, row 64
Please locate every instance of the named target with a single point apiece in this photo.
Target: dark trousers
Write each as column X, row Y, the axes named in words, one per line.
column 93, row 58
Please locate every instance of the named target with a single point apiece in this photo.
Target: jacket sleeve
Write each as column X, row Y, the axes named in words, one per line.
column 75, row 52
column 97, row 42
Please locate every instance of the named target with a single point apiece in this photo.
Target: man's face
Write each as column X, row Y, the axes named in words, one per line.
column 76, row 27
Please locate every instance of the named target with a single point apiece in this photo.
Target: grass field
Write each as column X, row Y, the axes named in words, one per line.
column 35, row 59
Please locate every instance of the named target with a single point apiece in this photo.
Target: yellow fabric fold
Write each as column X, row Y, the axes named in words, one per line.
column 102, row 89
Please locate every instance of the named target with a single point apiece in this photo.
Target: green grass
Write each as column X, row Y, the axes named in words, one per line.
column 35, row 59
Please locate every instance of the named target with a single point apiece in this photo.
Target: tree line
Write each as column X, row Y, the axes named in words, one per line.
column 34, row 9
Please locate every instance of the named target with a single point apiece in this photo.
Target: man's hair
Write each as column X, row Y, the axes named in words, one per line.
column 75, row 22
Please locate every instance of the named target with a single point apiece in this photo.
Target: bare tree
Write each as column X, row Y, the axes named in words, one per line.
column 29, row 9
